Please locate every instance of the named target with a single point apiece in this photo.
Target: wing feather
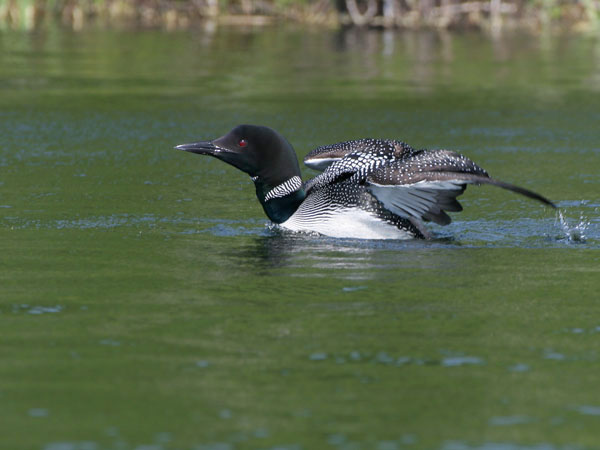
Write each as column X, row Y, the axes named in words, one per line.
column 427, row 184
column 424, row 199
column 322, row 157
column 415, row 185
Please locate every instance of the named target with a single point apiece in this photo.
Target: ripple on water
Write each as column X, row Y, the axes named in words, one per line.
column 341, row 441
column 579, row 330
column 37, row 310
column 353, row 288
column 524, row 232
column 318, row 356
column 225, row 414
column 385, row 358
column 503, row 421
column 588, row 410
column 214, row 446
column 519, row 367
column 460, row 445
column 560, row 230
column 454, row 361
column 551, row 354
column 229, row 231
column 80, row 445
column 38, row 412
column 261, row 433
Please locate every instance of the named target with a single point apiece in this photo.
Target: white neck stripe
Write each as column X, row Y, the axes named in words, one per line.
column 285, row 188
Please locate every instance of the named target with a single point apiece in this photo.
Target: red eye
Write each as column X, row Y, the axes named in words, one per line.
column 243, row 143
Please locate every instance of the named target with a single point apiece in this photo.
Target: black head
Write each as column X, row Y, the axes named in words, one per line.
column 259, row 151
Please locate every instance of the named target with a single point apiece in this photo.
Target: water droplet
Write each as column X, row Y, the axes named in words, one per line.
column 573, row 233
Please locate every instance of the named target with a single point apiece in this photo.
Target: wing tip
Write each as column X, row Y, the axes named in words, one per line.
column 522, row 191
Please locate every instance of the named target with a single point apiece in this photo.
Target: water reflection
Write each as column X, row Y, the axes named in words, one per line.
column 271, row 250
column 320, row 256
column 420, row 61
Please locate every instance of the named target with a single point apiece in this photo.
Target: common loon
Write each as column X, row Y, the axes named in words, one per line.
column 369, row 188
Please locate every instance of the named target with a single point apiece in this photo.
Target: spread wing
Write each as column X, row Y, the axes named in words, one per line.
column 426, row 185
column 322, row 157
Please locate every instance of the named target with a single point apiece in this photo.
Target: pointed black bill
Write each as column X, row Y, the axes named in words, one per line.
column 200, row 148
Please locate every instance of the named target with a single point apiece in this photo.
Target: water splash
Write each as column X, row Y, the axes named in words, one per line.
column 573, row 232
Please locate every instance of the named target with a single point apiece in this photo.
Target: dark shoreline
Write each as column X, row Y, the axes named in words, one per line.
column 491, row 15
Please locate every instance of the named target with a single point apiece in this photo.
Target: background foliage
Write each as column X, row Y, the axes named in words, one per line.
column 579, row 15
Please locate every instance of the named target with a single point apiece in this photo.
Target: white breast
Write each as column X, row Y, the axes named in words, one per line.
column 345, row 223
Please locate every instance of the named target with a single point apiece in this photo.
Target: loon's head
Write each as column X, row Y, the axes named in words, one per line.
column 259, row 151
column 268, row 158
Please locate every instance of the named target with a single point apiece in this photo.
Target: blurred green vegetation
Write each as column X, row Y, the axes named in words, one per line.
column 578, row 15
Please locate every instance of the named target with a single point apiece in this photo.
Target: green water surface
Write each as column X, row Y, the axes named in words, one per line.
column 145, row 304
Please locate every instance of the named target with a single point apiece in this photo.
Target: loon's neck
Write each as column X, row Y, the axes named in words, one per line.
column 281, row 201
